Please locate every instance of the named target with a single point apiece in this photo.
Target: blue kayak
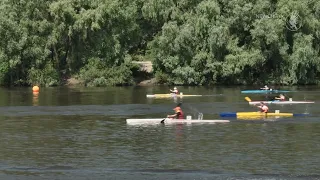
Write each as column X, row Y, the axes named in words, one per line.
column 264, row 91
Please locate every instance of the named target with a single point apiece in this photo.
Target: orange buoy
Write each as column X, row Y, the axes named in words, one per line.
column 35, row 88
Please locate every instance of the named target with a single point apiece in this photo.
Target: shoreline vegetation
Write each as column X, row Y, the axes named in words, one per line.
column 144, row 67
column 138, row 42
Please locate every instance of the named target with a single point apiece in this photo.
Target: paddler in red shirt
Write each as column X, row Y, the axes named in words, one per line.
column 263, row 108
column 178, row 113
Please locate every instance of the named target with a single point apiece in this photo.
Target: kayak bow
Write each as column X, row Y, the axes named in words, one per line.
column 278, row 101
column 282, row 102
column 264, row 91
column 258, row 114
column 170, row 121
column 170, row 95
column 179, row 95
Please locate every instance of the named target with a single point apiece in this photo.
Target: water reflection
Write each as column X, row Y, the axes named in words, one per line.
column 179, row 137
column 35, row 99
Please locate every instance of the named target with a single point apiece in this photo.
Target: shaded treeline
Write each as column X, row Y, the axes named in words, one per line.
column 190, row 42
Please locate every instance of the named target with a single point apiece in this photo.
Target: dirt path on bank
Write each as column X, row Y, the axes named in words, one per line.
column 144, row 65
column 147, row 67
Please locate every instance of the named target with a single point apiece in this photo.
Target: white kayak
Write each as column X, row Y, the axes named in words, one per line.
column 171, row 95
column 282, row 102
column 171, row 121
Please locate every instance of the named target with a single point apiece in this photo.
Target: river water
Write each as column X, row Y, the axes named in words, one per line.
column 81, row 133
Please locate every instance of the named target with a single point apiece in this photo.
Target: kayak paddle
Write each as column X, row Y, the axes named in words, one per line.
column 162, row 121
column 247, row 99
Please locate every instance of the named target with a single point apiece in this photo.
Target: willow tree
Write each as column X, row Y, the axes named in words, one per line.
column 95, row 37
column 23, row 30
column 191, row 42
column 43, row 42
column 235, row 41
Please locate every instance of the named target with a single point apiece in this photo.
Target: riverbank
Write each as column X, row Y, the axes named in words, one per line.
column 146, row 68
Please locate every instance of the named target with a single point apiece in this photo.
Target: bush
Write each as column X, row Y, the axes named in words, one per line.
column 97, row 73
column 161, row 77
column 48, row 76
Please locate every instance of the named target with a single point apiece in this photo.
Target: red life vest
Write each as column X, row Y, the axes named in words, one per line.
column 179, row 111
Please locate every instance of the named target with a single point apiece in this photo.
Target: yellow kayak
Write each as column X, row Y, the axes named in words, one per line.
column 170, row 95
column 259, row 115
column 252, row 114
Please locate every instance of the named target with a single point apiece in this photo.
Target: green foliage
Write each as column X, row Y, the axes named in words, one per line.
column 237, row 42
column 4, row 71
column 304, row 61
column 97, row 73
column 47, row 76
column 161, row 77
column 190, row 42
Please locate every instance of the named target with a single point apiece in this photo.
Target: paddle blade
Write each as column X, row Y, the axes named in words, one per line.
column 247, row 99
column 162, row 121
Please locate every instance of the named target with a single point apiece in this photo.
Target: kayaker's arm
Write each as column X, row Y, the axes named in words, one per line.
column 173, row 115
column 176, row 115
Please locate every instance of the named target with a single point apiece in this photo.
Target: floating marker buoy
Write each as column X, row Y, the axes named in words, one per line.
column 35, row 88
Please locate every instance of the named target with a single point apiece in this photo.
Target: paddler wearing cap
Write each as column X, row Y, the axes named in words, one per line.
column 175, row 90
column 178, row 113
column 263, row 107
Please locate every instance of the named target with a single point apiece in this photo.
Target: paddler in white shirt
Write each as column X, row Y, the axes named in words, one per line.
column 265, row 88
column 281, row 97
column 175, row 90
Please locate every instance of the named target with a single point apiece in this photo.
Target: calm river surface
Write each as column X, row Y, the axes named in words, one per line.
column 81, row 133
